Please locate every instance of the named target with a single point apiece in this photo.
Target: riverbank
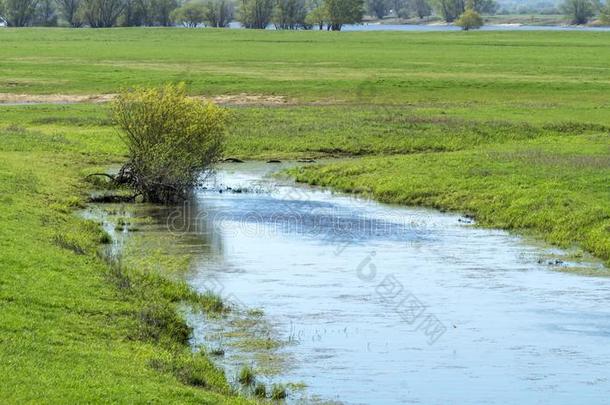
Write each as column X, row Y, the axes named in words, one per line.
column 554, row 188
column 548, row 179
column 75, row 328
column 382, row 303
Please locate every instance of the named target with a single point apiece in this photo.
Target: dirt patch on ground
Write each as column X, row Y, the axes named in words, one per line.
column 249, row 99
column 8, row 98
column 228, row 99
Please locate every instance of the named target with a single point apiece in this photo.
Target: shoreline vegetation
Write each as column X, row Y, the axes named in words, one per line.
column 509, row 127
column 76, row 327
column 533, row 19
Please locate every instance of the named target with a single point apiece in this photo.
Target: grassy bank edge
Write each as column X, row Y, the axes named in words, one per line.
column 75, row 326
column 588, row 230
column 159, row 318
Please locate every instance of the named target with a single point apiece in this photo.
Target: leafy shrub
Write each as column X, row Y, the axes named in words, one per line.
column 171, row 139
column 470, row 20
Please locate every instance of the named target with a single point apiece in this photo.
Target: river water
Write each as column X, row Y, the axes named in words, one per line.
column 391, row 305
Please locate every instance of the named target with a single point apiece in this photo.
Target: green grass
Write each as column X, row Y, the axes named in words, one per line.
column 522, row 70
column 74, row 328
column 313, row 131
column 528, row 19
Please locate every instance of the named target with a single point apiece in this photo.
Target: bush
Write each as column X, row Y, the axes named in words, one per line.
column 470, row 20
column 579, row 11
column 171, row 139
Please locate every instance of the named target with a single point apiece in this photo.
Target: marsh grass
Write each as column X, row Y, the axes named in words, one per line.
column 217, row 351
column 278, row 392
column 246, row 376
column 260, row 390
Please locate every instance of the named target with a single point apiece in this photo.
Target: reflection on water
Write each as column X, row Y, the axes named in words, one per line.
column 391, row 305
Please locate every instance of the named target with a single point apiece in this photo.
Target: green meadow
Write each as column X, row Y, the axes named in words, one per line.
column 512, row 128
column 525, row 70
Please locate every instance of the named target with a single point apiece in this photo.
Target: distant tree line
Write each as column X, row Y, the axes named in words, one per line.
column 256, row 14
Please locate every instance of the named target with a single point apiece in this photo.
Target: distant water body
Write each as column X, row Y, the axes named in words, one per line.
column 445, row 27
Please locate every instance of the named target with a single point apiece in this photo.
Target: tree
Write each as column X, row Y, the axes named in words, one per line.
column 604, row 14
column 342, row 12
column 161, row 11
column 449, row 9
column 46, row 14
column 71, row 12
column 289, row 14
column 136, row 13
column 578, row 10
column 400, row 8
column 378, row 8
column 218, row 13
column 20, row 13
column 318, row 16
column 452, row 9
column 486, row 6
column 172, row 140
column 256, row 13
column 420, row 8
column 190, row 14
column 102, row 13
column 470, row 19
column 396, row 5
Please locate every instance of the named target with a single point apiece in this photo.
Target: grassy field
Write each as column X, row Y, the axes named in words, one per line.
column 528, row 19
column 511, row 127
column 518, row 70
